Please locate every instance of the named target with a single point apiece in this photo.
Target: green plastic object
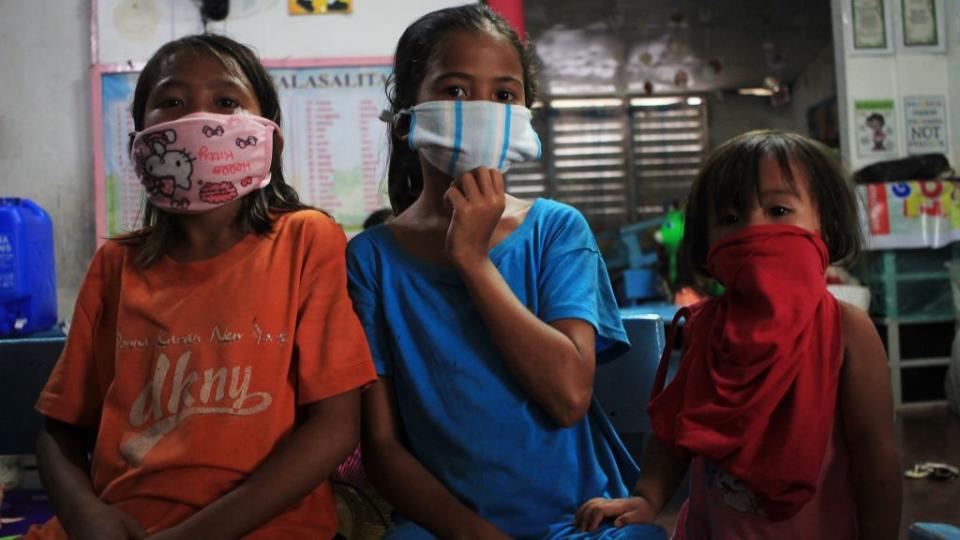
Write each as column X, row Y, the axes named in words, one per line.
column 671, row 233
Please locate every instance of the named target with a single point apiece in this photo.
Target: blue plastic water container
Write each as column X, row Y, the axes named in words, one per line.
column 28, row 277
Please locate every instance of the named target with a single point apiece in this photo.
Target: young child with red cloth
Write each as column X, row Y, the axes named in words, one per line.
column 781, row 406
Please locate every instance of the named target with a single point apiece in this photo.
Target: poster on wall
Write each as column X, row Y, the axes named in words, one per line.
column 319, row 7
column 926, row 124
column 919, row 20
column 922, row 26
column 912, row 214
column 335, row 145
column 876, row 128
column 870, row 25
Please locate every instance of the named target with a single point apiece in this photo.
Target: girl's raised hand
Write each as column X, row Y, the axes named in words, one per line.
column 626, row 511
column 477, row 199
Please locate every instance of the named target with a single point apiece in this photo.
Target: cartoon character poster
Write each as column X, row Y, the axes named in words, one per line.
column 319, row 7
column 876, row 128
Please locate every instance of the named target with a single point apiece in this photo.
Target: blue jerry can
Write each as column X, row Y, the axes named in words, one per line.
column 28, row 278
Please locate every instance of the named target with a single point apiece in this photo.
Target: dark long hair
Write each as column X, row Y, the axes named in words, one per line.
column 160, row 227
column 417, row 47
column 730, row 178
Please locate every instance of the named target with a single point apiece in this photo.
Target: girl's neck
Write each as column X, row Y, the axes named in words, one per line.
column 206, row 235
column 430, row 205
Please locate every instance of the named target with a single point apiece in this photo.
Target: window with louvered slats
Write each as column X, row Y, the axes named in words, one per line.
column 589, row 160
column 669, row 144
column 615, row 160
column 529, row 180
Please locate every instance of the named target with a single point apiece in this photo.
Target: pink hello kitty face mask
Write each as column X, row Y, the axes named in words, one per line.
column 203, row 160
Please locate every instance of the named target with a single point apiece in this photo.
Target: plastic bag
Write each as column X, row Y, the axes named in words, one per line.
column 920, row 167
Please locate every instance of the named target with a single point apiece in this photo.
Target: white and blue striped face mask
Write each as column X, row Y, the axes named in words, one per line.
column 457, row 136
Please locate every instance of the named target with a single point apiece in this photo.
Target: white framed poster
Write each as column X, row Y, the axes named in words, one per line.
column 921, row 26
column 925, row 119
column 871, row 27
column 335, row 145
column 876, row 122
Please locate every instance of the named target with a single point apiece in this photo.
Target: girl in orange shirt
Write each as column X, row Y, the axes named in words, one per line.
column 214, row 352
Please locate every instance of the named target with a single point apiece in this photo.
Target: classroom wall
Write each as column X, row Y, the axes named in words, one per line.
column 130, row 30
column 46, row 152
column 893, row 76
column 733, row 114
column 817, row 83
column 45, row 149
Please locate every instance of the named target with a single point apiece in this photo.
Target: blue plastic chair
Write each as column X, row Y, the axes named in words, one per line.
column 622, row 386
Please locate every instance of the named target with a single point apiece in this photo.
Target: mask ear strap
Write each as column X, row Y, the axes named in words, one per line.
column 389, row 117
column 664, row 366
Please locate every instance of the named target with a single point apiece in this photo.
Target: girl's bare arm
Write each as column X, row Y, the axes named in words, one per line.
column 866, row 408
column 553, row 362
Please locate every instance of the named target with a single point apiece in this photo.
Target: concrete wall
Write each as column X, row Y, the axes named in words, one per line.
column 817, row 83
column 45, row 149
column 733, row 114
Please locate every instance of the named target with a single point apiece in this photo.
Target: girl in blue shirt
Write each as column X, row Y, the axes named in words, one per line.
column 485, row 313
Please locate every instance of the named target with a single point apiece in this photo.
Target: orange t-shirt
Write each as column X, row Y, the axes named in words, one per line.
column 194, row 370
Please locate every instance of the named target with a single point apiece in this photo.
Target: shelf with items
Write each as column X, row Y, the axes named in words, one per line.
column 918, row 353
column 911, row 285
column 914, row 312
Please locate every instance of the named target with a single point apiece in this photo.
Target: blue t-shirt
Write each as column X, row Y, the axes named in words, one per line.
column 465, row 416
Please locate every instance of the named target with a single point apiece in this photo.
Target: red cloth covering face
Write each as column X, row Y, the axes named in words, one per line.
column 756, row 389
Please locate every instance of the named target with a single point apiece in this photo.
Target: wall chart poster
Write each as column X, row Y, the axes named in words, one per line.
column 335, row 145
column 926, row 124
column 876, row 128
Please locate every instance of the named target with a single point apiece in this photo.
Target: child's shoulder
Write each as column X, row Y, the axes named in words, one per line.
column 307, row 220
column 308, row 226
column 372, row 236
column 368, row 242
column 114, row 253
column 560, row 223
column 556, row 211
column 856, row 322
column 318, row 232
column 861, row 341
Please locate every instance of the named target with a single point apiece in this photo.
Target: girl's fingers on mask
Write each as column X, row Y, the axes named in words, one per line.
column 484, row 181
column 498, row 183
column 454, row 198
column 468, row 185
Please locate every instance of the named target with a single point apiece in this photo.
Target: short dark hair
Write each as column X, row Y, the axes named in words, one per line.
column 159, row 227
column 417, row 47
column 730, row 178
column 377, row 217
